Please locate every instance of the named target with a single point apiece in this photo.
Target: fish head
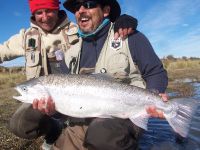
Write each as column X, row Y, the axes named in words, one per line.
column 30, row 90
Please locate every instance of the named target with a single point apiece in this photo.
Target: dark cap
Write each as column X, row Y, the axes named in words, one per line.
column 114, row 5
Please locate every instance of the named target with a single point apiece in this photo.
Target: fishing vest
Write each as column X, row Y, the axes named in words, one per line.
column 115, row 59
column 41, row 48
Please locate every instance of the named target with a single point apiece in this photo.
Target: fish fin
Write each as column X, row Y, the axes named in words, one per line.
column 140, row 120
column 183, row 118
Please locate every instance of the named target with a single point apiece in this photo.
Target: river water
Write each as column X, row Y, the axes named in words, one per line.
column 197, row 90
column 160, row 136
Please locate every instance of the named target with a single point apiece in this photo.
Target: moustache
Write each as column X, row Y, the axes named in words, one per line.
column 84, row 16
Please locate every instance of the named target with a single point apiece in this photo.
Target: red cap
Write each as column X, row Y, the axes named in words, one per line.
column 43, row 4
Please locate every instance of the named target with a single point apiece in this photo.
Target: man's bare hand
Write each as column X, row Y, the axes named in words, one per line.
column 153, row 112
column 44, row 105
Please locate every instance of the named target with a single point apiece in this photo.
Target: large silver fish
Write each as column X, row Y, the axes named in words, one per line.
column 93, row 96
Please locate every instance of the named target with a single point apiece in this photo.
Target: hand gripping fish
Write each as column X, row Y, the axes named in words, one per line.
column 85, row 96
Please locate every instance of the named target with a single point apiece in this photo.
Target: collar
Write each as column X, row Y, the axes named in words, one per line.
column 101, row 26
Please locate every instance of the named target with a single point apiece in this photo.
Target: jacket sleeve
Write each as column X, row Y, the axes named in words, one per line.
column 149, row 64
column 13, row 47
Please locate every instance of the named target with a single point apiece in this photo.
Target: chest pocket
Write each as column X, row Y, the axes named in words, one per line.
column 32, row 47
column 32, row 58
column 120, row 60
column 118, row 65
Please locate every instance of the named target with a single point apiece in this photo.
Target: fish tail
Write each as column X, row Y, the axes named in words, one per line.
column 183, row 116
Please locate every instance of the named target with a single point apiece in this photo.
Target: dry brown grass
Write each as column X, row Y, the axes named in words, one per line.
column 8, row 106
column 182, row 89
column 181, row 69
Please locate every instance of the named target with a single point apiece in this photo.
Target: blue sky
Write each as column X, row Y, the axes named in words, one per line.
column 172, row 26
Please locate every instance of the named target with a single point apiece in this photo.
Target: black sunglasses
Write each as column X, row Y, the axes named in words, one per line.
column 87, row 5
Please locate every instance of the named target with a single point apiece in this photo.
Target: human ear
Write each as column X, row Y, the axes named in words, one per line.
column 106, row 11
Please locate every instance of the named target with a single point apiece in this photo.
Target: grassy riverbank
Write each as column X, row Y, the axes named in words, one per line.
column 181, row 69
column 177, row 71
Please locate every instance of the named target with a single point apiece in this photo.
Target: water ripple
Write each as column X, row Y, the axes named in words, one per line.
column 160, row 136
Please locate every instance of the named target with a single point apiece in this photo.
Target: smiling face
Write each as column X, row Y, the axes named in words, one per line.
column 89, row 18
column 46, row 19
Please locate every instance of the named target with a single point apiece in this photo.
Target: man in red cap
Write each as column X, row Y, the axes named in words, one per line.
column 50, row 35
column 44, row 44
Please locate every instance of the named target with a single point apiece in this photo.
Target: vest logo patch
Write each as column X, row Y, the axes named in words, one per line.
column 116, row 44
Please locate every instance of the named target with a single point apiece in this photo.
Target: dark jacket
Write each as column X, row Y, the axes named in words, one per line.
column 142, row 53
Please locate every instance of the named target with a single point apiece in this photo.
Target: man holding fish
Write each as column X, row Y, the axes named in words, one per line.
column 131, row 61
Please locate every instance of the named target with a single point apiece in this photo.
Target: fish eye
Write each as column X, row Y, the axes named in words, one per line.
column 24, row 88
